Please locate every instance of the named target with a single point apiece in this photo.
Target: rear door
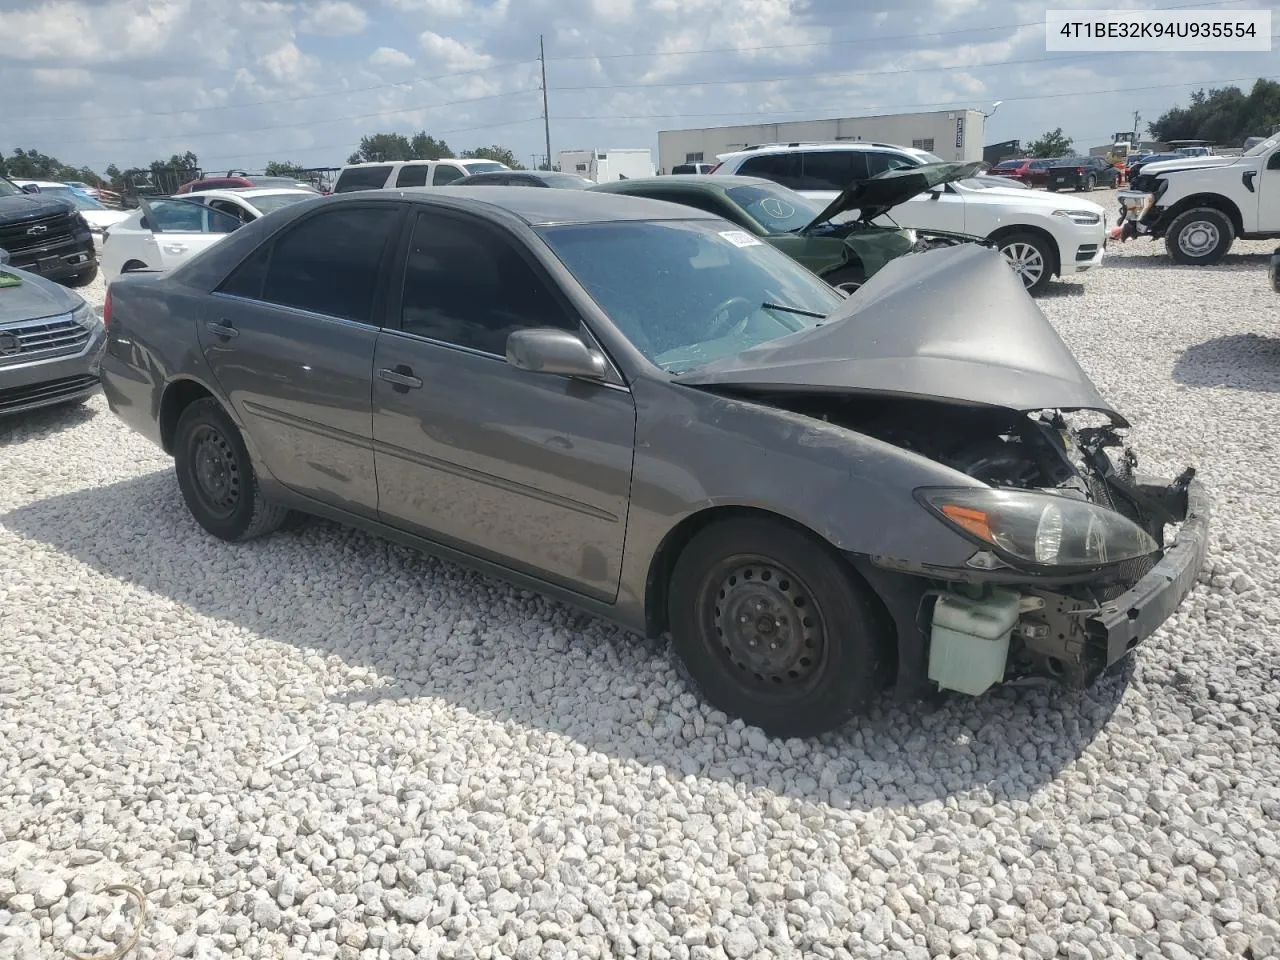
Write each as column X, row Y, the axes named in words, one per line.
column 446, row 173
column 290, row 335
column 372, row 177
column 181, row 228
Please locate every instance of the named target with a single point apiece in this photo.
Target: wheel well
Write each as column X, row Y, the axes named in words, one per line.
column 133, row 265
column 1045, row 235
column 177, row 397
column 1212, row 200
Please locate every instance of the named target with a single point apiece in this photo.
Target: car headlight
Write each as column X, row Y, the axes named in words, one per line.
column 81, row 221
column 1083, row 217
column 1041, row 529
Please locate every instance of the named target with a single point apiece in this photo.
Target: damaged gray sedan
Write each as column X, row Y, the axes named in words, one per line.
column 647, row 412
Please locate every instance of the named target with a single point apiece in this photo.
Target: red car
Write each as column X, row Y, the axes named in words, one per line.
column 241, row 181
column 1034, row 173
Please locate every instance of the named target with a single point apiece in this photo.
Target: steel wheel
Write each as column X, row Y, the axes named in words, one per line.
column 1028, row 262
column 767, row 622
column 1199, row 238
column 217, row 475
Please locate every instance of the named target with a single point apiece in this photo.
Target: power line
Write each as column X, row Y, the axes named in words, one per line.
column 291, row 126
column 940, row 104
column 1039, row 61
column 861, row 40
column 260, row 103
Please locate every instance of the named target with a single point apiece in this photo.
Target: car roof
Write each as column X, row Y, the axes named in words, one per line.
column 537, row 208
column 798, row 146
column 699, row 180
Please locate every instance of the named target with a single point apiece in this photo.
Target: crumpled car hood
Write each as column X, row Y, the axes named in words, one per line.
column 877, row 195
column 952, row 324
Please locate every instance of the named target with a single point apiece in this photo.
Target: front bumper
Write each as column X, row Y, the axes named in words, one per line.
column 1123, row 623
column 44, row 383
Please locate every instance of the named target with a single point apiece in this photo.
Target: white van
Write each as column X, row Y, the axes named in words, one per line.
column 409, row 173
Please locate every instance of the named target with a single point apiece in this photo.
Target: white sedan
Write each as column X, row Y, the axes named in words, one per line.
column 164, row 232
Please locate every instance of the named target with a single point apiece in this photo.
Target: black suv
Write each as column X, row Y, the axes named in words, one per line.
column 1081, row 173
column 46, row 236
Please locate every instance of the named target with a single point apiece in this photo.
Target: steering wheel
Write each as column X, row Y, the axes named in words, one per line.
column 730, row 318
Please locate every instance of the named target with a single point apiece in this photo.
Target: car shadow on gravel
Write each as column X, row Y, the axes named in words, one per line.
column 1241, row 361
column 38, row 423
column 534, row 670
column 1233, row 262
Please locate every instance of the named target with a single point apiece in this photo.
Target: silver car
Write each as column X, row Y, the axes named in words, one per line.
column 50, row 342
column 644, row 410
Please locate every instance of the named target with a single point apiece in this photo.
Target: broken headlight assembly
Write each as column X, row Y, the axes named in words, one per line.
column 1042, row 530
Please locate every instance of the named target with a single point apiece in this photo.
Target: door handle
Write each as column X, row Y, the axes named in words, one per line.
column 221, row 328
column 175, row 248
column 401, row 378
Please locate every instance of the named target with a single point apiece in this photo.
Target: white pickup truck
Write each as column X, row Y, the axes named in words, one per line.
column 1200, row 205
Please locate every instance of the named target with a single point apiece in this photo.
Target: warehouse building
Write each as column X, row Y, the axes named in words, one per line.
column 951, row 134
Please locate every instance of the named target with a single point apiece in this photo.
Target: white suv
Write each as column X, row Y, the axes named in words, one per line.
column 1041, row 235
column 410, row 173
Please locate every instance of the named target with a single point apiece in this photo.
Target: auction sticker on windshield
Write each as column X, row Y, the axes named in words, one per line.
column 740, row 238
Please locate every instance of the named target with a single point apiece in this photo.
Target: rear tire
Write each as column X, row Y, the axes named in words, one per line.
column 216, row 476
column 1092, row 183
column 775, row 629
column 1199, row 237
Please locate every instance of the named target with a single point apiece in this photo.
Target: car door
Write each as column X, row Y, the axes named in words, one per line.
column 289, row 337
column 178, row 229
column 446, row 173
column 1268, row 193
column 530, row 470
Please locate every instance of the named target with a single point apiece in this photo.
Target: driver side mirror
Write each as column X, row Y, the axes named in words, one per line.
column 550, row 350
column 30, row 188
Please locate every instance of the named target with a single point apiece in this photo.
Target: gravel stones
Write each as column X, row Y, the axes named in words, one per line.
column 324, row 745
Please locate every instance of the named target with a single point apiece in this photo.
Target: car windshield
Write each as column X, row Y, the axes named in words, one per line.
column 1259, row 149
column 1009, row 165
column 928, row 157
column 687, row 292
column 7, row 189
column 82, row 200
column 776, row 209
column 274, row 201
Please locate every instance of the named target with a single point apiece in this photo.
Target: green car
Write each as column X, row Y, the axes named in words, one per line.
column 840, row 243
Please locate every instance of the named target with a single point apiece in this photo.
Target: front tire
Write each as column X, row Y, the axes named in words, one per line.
column 1199, row 237
column 1031, row 258
column 775, row 629
column 216, row 476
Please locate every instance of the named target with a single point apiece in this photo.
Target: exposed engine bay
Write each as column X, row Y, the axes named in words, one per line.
column 1041, row 451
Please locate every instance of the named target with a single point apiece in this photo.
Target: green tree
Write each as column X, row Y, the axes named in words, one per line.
column 382, row 146
column 284, row 168
column 1053, row 144
column 496, row 153
column 113, row 175
column 1222, row 115
column 428, row 148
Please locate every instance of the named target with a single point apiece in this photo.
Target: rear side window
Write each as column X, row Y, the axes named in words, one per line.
column 413, row 175
column 832, row 169
column 330, row 263
column 880, row 162
column 447, row 173
column 1008, row 165
column 362, row 178
column 467, row 284
column 783, row 168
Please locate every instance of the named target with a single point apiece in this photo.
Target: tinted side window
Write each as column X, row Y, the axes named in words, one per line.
column 880, row 162
column 329, row 263
column 446, row 173
column 467, row 284
column 783, row 168
column 246, row 279
column 362, row 178
column 832, row 169
column 413, row 175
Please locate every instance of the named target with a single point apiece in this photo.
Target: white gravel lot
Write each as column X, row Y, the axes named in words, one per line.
column 323, row 745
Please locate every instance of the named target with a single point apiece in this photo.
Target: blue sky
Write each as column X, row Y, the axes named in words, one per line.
column 241, row 82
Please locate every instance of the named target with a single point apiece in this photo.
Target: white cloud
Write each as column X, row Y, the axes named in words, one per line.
column 333, row 18
column 446, row 53
column 287, row 63
column 435, row 8
column 390, row 58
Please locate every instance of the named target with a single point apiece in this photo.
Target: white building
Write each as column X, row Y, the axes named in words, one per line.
column 605, row 165
column 951, row 134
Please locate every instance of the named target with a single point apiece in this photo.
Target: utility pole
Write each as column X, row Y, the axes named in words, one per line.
column 546, row 116
column 1136, row 118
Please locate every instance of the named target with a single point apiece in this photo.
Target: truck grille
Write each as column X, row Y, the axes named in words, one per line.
column 38, row 394
column 16, row 237
column 41, row 339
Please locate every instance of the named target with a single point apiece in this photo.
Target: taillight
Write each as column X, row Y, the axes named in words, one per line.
column 106, row 309
column 1080, row 170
